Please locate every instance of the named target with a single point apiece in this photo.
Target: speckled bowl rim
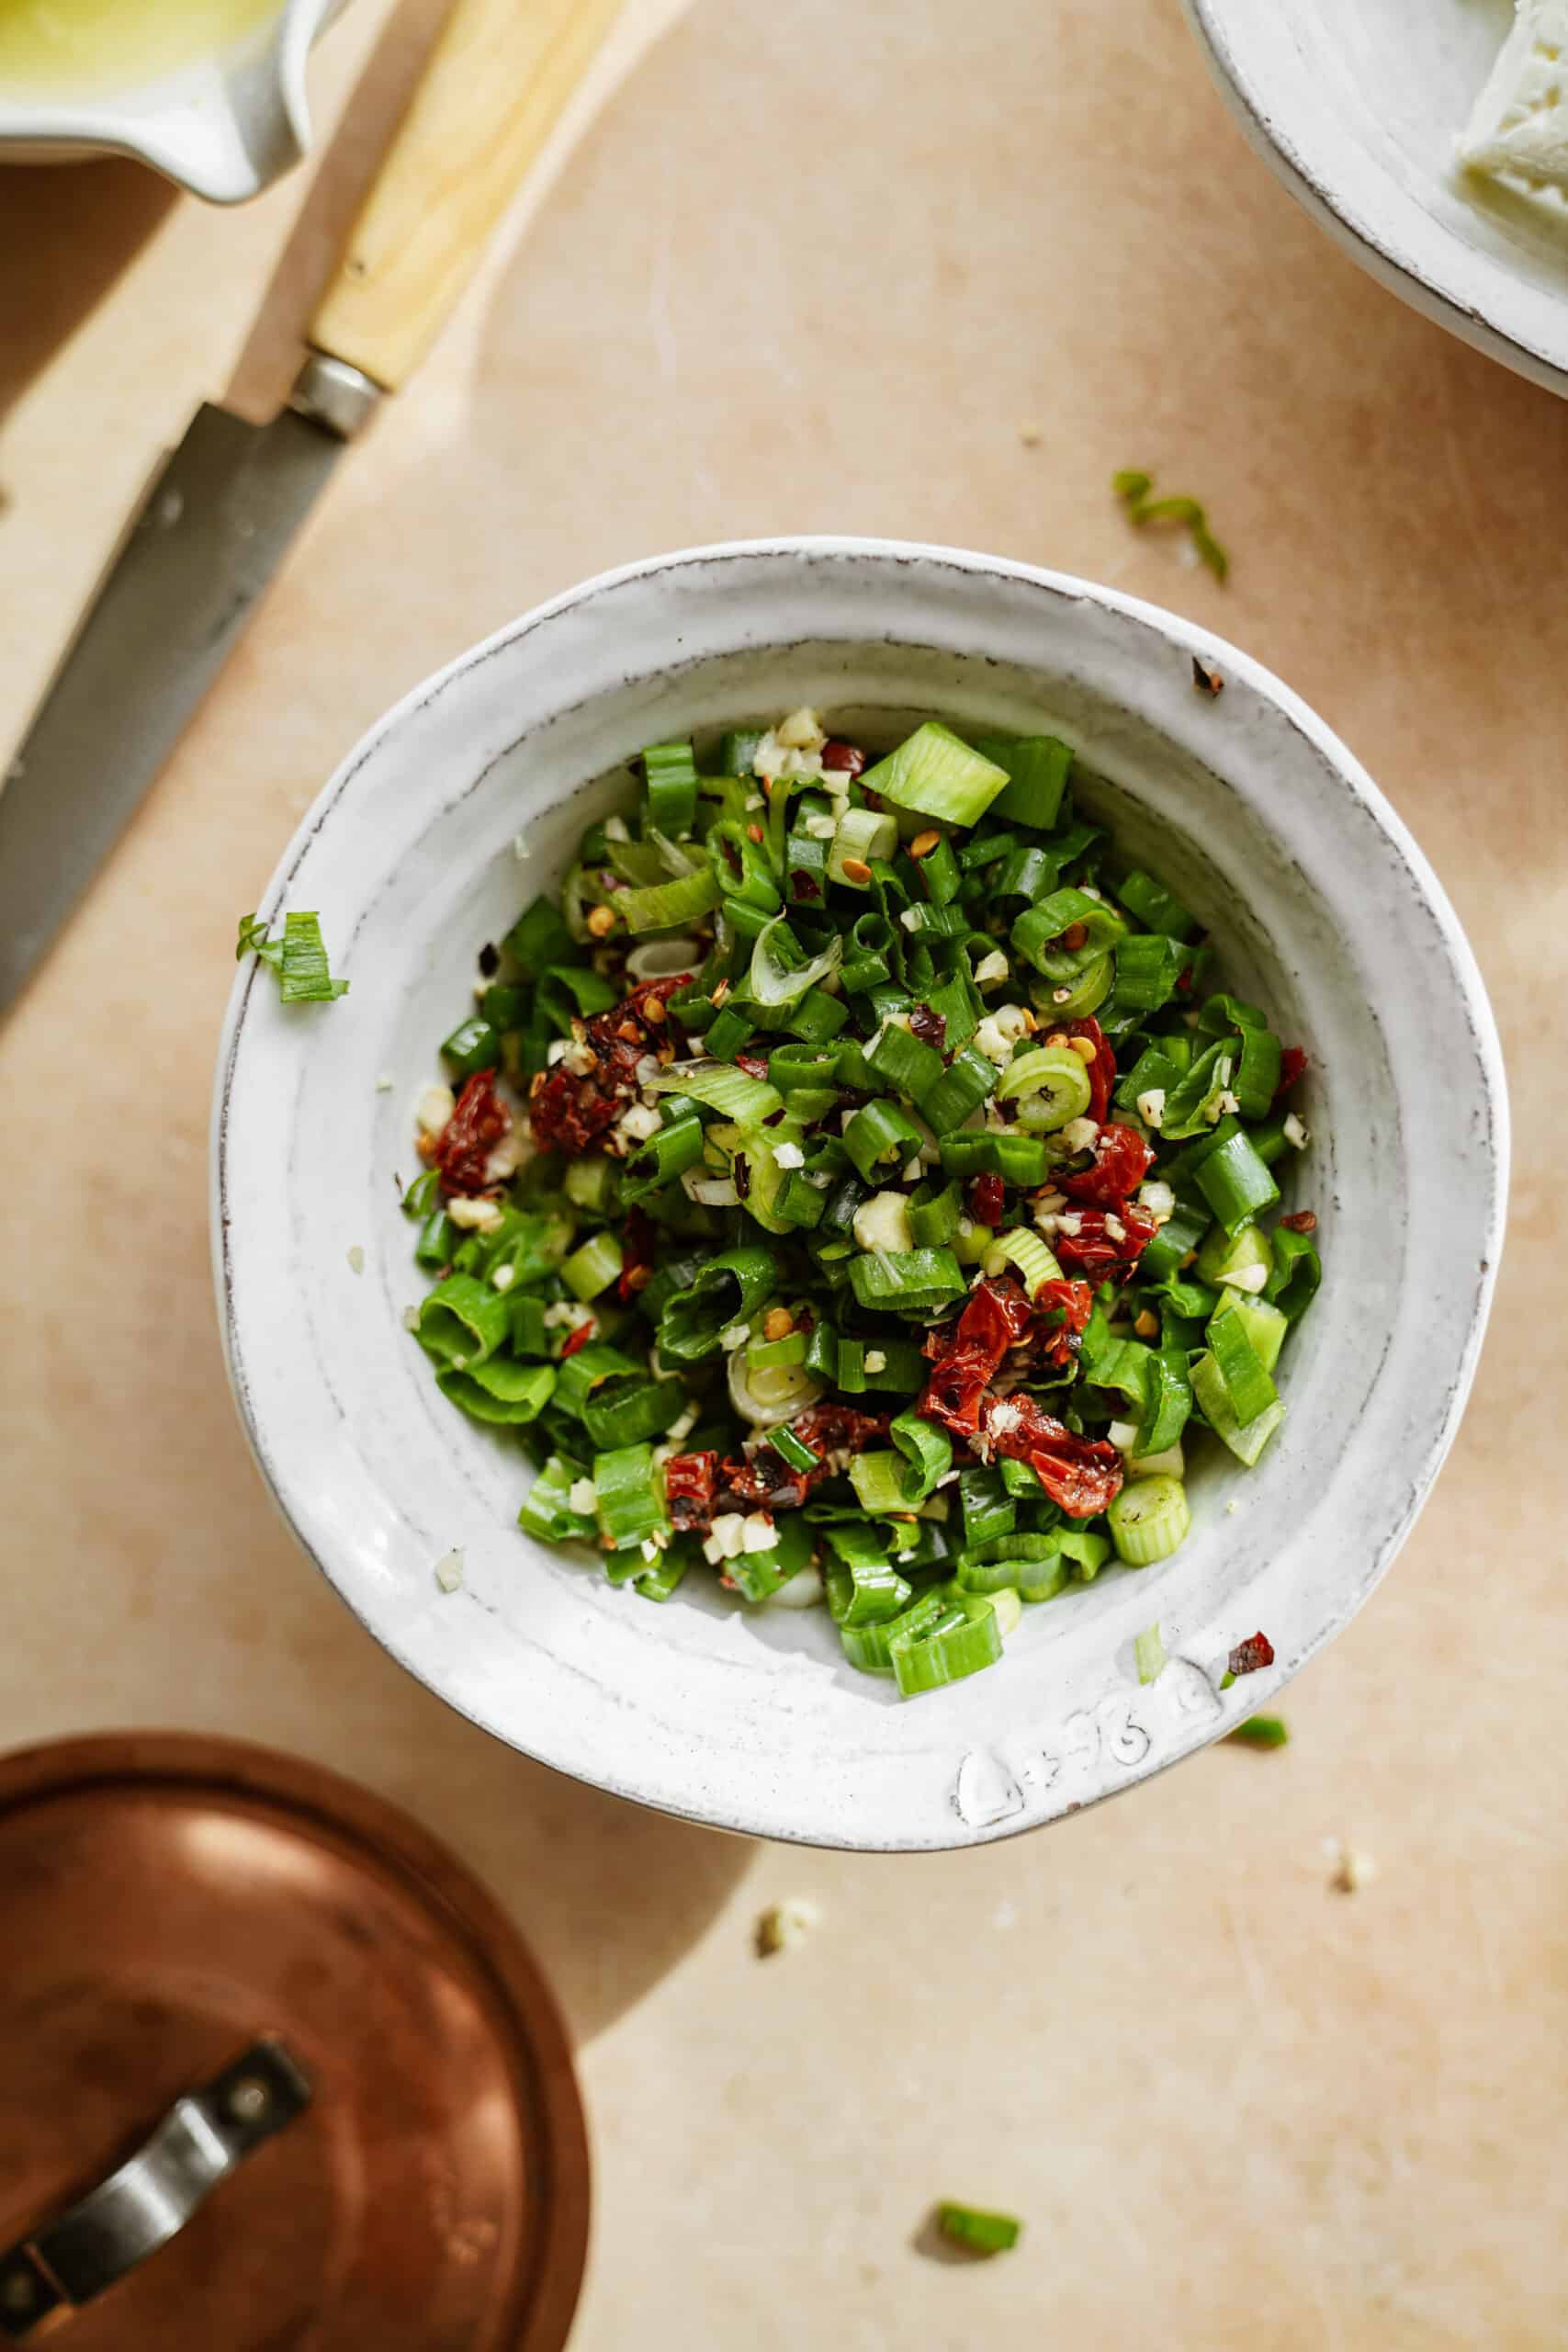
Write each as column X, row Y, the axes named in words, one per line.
column 1475, row 295
column 1118, row 1760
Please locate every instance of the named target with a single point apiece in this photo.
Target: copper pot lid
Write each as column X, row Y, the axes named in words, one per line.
column 280, row 2076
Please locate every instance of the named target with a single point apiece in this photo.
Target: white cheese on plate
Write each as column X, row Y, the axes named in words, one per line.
column 1520, row 121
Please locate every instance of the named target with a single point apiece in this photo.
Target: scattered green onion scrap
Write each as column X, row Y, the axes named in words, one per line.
column 299, row 957
column 1261, row 1731
column 978, row 2232
column 1132, row 489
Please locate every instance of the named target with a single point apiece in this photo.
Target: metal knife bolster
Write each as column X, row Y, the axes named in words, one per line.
column 334, row 395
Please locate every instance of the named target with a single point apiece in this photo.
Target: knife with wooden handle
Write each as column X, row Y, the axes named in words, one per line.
column 221, row 513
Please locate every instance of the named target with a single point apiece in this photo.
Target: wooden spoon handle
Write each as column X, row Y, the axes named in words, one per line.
column 497, row 79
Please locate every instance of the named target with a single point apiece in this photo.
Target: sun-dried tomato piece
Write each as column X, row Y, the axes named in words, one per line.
column 762, row 1480
column 996, row 1315
column 803, row 885
column 930, row 1027
column 1093, row 1252
column 1062, row 1313
column 1248, row 1655
column 689, row 1482
column 1121, row 1161
column 986, row 1199
column 579, row 1338
column 1082, row 1475
column 1293, row 1065
column 754, row 1065
column 571, row 1113
column 1101, row 1070
column 838, row 1429
column 1300, row 1221
column 470, row 1134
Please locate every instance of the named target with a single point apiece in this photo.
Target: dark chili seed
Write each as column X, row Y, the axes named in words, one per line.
column 742, row 1175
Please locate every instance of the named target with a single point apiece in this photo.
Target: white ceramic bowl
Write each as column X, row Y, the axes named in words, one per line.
column 1266, row 825
column 1357, row 109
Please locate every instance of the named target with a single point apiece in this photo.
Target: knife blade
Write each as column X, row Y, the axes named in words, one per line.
column 212, row 530
column 221, row 512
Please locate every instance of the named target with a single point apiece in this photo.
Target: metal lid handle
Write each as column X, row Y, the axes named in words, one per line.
column 147, row 2200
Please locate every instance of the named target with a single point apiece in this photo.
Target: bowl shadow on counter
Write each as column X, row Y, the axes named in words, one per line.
column 610, row 1894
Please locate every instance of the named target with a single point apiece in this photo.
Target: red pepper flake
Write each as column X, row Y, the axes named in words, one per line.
column 1073, row 938
column 1121, row 1161
column 637, row 1255
column 754, row 1065
column 1248, row 1655
column 1300, row 1221
column 1101, row 1070
column 579, row 1338
column 986, row 1199
column 470, row 1134
column 930, row 1027
column 1293, row 1065
column 802, row 884
column 843, row 759
column 1206, row 681
column 689, row 1482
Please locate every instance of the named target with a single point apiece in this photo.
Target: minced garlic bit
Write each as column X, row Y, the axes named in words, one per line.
column 356, row 1260
column 788, row 1154
column 475, row 1215
column 450, row 1569
column 1353, row 1869
column 726, row 1538
column 519, row 849
column 581, row 1497
column 1151, row 1106
column 875, row 1360
column 991, row 969
column 433, row 1109
column 1080, row 1135
column 784, row 1925
column 386, row 1082
column 411, row 1319
column 733, row 1336
column 502, row 1277
column 1295, row 1133
column 802, row 730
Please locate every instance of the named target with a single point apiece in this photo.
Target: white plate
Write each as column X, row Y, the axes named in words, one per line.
column 1261, row 821
column 1356, row 107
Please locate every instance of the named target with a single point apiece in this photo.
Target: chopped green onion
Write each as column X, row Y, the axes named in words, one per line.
column 1148, row 1651
column 1025, row 1249
column 1213, row 1399
column 671, row 772
column 912, row 1282
column 1053, row 1081
column 965, row 1637
column 934, row 773
column 628, row 1505
column 1149, row 1520
column 462, row 1321
column 865, row 837
column 1153, row 905
column 594, row 1267
column 725, row 1291
column 547, row 1513
column 881, row 1137
column 668, row 906
column 500, row 1390
column 1234, row 1182
column 720, row 1087
column 967, row 1081
column 1038, row 767
column 1247, row 1386
column 780, row 978
column 473, row 1045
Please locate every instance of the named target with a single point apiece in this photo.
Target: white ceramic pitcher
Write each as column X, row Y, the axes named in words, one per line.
column 223, row 123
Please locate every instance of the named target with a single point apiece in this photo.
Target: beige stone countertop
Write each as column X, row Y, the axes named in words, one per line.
column 934, row 271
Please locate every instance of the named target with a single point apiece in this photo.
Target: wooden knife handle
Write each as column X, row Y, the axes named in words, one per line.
column 497, row 79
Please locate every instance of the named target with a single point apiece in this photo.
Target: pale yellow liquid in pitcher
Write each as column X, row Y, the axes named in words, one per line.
column 67, row 45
